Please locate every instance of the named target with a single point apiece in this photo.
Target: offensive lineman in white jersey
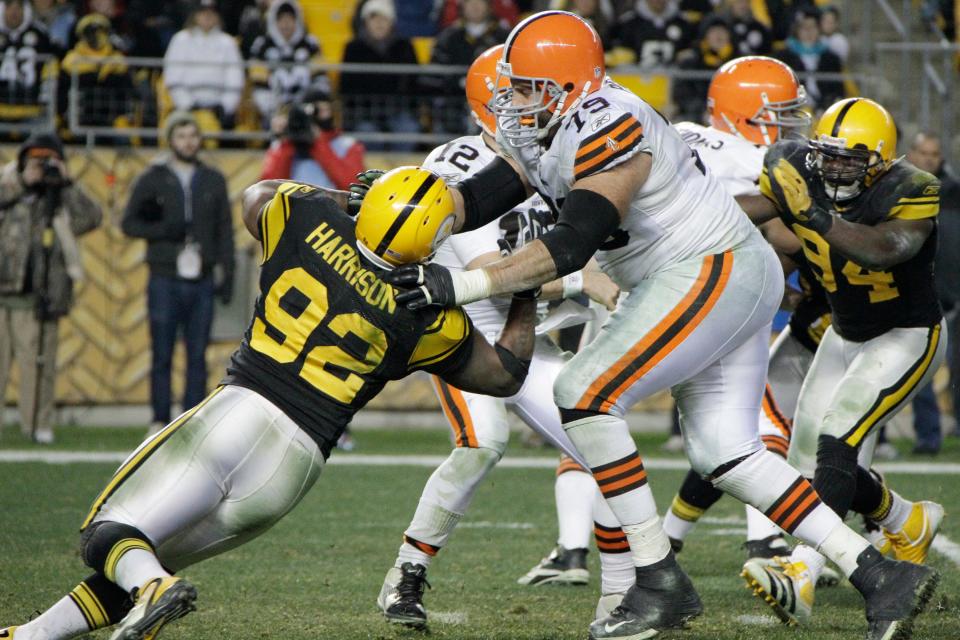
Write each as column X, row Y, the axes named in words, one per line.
column 702, row 287
column 479, row 421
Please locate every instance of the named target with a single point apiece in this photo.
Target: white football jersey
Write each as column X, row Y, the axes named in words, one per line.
column 454, row 162
column 736, row 162
column 681, row 212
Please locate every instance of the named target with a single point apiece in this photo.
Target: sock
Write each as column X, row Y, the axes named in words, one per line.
column 605, row 443
column 897, row 513
column 136, row 567
column 759, row 526
column 696, row 495
column 810, row 557
column 836, row 476
column 871, row 497
column 765, row 481
column 93, row 604
column 444, row 500
column 843, row 545
column 617, row 573
column 574, row 491
column 61, row 621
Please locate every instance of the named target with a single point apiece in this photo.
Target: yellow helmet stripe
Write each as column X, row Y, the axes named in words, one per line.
column 402, row 218
column 840, row 116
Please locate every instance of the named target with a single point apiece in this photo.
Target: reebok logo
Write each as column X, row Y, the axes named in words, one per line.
column 612, row 144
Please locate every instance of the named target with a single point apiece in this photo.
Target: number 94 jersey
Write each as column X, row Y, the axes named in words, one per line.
column 681, row 212
column 327, row 334
column 867, row 303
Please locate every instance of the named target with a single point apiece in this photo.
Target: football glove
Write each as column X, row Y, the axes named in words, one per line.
column 425, row 284
column 521, row 228
column 797, row 195
column 358, row 190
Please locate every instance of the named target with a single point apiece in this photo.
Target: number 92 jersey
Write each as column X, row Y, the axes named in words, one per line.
column 867, row 303
column 326, row 334
column 681, row 212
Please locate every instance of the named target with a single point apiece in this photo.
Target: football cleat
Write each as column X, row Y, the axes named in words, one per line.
column 895, row 593
column 676, row 544
column 401, row 596
column 156, row 603
column 787, row 587
column 912, row 542
column 562, row 566
column 7, row 633
column 829, row 577
column 662, row 598
column 607, row 603
column 766, row 549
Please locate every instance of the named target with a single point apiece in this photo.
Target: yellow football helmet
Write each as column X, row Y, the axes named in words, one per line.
column 854, row 143
column 405, row 216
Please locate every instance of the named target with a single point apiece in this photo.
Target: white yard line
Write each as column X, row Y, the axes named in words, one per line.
column 431, row 461
column 448, row 617
column 757, row 620
column 947, row 547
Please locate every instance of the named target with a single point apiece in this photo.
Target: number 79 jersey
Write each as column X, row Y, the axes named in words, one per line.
column 326, row 334
column 681, row 212
column 867, row 303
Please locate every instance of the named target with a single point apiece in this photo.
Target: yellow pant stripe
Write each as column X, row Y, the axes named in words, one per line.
column 138, row 458
column 684, row 510
column 891, row 397
column 117, row 551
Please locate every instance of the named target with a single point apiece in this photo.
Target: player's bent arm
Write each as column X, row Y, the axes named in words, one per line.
column 759, row 208
column 501, row 369
column 488, row 194
column 260, row 193
column 881, row 246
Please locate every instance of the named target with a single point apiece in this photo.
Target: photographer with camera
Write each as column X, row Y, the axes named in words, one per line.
column 41, row 215
column 180, row 206
column 311, row 149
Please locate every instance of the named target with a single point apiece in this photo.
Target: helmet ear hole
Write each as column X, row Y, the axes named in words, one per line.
column 568, row 87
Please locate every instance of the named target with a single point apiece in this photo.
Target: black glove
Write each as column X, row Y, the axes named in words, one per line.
column 521, row 228
column 358, row 190
column 425, row 285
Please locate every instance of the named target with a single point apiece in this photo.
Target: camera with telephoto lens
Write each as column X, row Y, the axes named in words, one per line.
column 51, row 174
column 300, row 127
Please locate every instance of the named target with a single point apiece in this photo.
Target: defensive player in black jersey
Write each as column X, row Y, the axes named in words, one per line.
column 866, row 221
column 325, row 337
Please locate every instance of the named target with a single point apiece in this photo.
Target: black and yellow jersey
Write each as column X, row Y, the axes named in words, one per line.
column 327, row 334
column 867, row 303
column 811, row 317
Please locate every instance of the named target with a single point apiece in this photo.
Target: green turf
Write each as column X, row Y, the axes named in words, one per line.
column 317, row 573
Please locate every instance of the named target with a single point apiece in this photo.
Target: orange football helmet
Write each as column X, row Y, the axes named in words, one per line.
column 757, row 98
column 480, row 78
column 552, row 60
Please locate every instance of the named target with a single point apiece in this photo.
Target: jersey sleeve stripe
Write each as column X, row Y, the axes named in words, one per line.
column 914, row 211
column 598, row 139
column 610, row 153
column 273, row 219
column 442, row 339
column 599, row 148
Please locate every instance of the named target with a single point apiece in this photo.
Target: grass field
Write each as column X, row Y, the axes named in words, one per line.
column 318, row 572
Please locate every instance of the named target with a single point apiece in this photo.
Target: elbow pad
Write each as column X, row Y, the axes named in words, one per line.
column 490, row 193
column 512, row 364
column 586, row 220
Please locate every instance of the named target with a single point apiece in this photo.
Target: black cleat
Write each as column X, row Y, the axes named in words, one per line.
column 895, row 593
column 767, row 549
column 401, row 596
column 662, row 598
column 563, row 566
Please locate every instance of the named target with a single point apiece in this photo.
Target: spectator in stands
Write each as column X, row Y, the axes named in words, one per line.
column 714, row 48
column 655, row 32
column 202, row 68
column 252, row 24
column 102, row 80
column 926, row 153
column 58, row 16
column 377, row 102
column 180, row 206
column 830, row 28
column 807, row 52
column 288, row 54
column 415, row 18
column 36, row 285
column 599, row 13
column 26, row 60
column 505, row 11
column 783, row 15
column 474, row 32
column 751, row 37
column 152, row 24
column 312, row 149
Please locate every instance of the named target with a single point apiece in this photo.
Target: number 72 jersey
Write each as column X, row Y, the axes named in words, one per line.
column 867, row 303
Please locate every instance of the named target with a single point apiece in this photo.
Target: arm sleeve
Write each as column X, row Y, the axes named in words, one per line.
column 225, row 247
column 340, row 170
column 144, row 215
column 85, row 214
column 921, row 200
column 445, row 345
column 278, row 161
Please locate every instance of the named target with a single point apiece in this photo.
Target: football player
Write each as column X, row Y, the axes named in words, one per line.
column 866, row 221
column 325, row 338
column 702, row 285
column 479, row 422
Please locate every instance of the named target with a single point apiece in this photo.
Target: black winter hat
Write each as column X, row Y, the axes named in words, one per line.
column 44, row 144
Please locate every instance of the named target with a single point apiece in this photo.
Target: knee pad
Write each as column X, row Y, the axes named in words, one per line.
column 100, row 538
column 836, row 476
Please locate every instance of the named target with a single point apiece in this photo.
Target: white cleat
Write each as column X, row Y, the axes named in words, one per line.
column 787, row 588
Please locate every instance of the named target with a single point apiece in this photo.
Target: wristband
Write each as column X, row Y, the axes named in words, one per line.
column 819, row 220
column 470, row 286
column 572, row 284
